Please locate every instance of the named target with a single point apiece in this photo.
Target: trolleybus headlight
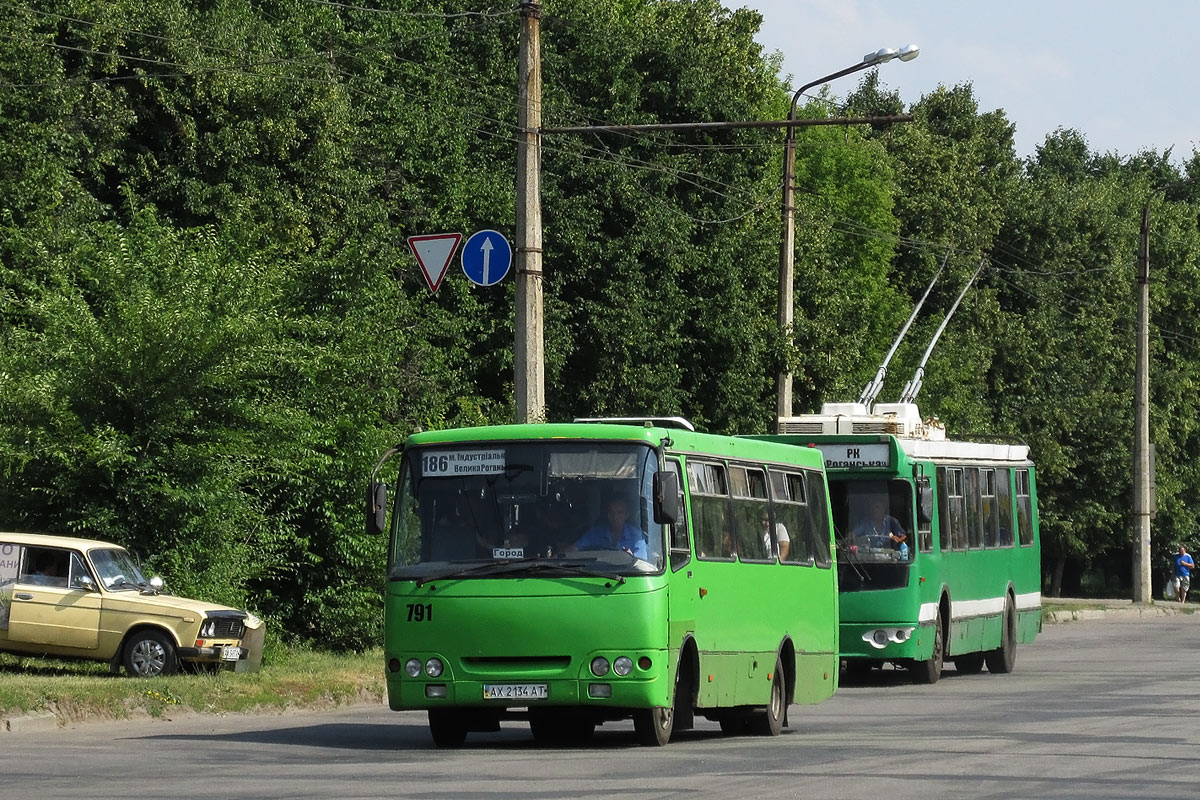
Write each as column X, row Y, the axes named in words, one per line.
column 434, row 667
column 880, row 637
column 623, row 666
column 599, row 666
column 412, row 668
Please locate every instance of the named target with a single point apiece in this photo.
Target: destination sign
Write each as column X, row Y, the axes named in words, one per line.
column 439, row 463
column 856, row 456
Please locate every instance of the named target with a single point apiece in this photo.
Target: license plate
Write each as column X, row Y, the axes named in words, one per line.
column 514, row 691
column 231, row 653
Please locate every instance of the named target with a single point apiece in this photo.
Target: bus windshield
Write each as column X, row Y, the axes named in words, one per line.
column 521, row 509
column 873, row 519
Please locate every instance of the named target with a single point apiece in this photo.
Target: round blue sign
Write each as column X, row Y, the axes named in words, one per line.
column 486, row 258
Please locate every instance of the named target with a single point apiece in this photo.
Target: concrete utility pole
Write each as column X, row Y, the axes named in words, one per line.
column 1142, row 505
column 528, row 356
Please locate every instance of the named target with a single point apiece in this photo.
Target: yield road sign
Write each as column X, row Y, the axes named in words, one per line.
column 486, row 257
column 434, row 253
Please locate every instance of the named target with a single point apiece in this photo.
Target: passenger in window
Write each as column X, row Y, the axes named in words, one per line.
column 615, row 532
column 879, row 528
column 46, row 572
column 782, row 544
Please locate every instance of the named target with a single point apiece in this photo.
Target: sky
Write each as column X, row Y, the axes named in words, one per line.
column 1121, row 73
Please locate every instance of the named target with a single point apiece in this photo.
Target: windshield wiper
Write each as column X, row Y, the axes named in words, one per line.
column 573, row 567
column 461, row 572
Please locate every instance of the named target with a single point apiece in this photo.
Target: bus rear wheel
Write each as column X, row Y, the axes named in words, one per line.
column 769, row 721
column 1002, row 660
column 448, row 727
column 929, row 671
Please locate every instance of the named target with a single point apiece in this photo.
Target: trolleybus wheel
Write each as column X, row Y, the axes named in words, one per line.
column 929, row 671
column 769, row 721
column 1003, row 658
column 448, row 727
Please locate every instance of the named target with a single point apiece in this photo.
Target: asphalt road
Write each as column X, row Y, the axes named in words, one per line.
column 1095, row 709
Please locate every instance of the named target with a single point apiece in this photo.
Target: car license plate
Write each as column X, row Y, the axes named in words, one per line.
column 514, row 691
column 231, row 653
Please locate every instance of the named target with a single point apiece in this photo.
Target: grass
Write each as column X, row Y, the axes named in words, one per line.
column 75, row 691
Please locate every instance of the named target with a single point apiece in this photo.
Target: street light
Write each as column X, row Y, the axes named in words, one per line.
column 783, row 399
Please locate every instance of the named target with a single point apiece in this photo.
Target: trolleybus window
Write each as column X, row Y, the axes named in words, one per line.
column 1024, row 508
column 1004, row 501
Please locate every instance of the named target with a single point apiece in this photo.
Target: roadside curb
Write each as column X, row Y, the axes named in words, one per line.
column 30, row 723
column 1128, row 611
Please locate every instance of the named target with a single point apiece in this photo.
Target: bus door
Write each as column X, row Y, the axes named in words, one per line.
column 683, row 594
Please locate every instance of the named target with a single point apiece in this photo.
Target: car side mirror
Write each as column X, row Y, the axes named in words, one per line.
column 85, row 582
column 156, row 584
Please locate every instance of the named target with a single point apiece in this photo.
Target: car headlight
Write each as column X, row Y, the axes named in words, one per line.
column 208, row 628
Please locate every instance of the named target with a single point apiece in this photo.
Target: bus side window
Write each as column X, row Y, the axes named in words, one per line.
column 749, row 489
column 681, row 552
column 1024, row 508
column 974, row 529
column 818, row 512
column 1004, row 505
column 710, row 510
column 790, row 511
column 987, row 500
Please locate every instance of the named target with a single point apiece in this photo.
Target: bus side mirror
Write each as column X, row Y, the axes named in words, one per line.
column 377, row 508
column 666, row 498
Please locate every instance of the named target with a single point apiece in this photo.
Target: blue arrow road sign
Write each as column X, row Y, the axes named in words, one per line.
column 486, row 258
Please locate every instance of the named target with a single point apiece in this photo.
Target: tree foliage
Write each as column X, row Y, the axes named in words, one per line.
column 210, row 325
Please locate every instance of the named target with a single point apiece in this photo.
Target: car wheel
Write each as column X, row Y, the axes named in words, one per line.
column 150, row 654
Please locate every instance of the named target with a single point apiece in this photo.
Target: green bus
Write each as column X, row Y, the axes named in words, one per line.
column 576, row 573
column 939, row 556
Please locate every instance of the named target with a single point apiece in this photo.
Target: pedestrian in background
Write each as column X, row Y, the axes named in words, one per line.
column 1183, row 573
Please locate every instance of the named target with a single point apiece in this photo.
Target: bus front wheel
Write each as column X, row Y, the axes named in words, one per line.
column 448, row 727
column 654, row 726
column 929, row 671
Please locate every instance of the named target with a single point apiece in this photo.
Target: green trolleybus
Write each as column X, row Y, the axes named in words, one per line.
column 939, row 554
column 572, row 574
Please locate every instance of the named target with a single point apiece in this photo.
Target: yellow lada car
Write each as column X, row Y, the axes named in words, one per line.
column 79, row 598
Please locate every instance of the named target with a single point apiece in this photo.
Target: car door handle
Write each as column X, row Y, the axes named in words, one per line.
column 23, row 596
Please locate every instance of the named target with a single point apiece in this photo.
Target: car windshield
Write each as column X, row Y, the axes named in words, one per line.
column 116, row 569
column 510, row 510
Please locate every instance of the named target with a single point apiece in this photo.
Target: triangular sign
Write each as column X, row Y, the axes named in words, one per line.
column 434, row 253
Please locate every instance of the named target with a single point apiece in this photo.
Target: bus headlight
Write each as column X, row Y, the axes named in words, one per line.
column 599, row 666
column 623, row 666
column 434, row 667
column 881, row 637
column 412, row 668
